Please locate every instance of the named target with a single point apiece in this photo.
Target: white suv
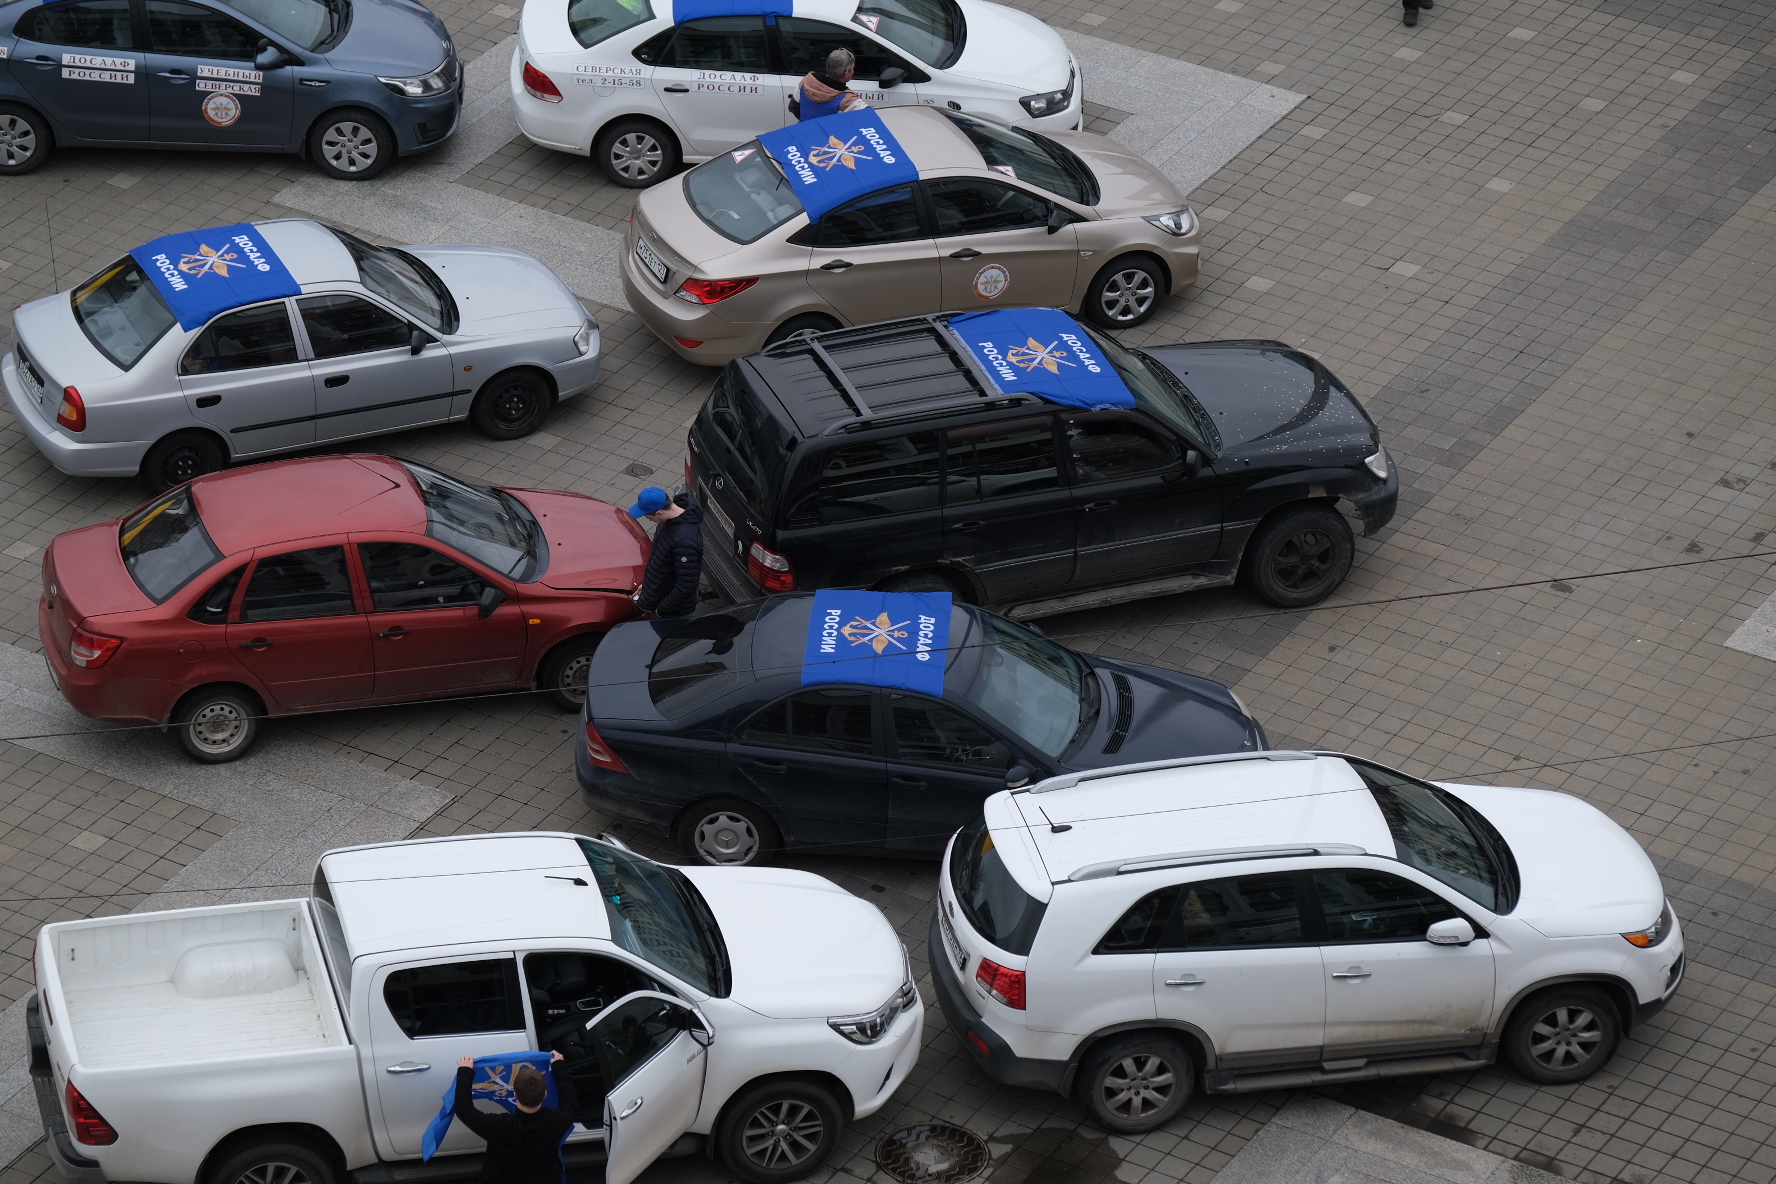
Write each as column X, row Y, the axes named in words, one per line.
column 1282, row 919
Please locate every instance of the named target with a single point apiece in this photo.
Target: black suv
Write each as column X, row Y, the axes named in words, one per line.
column 883, row 456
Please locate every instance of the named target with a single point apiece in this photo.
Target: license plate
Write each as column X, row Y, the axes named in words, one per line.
column 956, row 951
column 650, row 260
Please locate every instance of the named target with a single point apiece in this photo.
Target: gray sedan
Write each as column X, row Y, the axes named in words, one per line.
column 110, row 380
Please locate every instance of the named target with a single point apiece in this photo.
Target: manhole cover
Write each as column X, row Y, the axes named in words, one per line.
column 639, row 470
column 931, row 1153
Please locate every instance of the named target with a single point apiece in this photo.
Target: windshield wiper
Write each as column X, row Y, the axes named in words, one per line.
column 1211, row 434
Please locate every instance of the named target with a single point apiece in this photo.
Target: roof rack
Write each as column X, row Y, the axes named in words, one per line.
column 1069, row 780
column 1150, row 863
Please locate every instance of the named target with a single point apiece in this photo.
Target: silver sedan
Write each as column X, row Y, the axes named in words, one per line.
column 107, row 382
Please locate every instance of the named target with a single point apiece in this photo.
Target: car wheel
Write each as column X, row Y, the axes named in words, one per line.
column 1125, row 293
column 351, row 145
column 779, row 1131
column 922, row 581
column 25, row 139
column 275, row 1163
column 511, row 405
column 1562, row 1035
column 180, row 457
column 806, row 325
column 727, row 832
column 217, row 725
column 1300, row 556
column 563, row 673
column 1135, row 1083
column 636, row 153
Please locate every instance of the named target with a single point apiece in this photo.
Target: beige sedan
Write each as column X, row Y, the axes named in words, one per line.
column 724, row 261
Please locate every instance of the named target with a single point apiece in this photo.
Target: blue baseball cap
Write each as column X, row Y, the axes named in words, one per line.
column 651, row 500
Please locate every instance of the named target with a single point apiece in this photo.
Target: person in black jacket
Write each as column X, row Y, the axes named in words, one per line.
column 522, row 1148
column 669, row 587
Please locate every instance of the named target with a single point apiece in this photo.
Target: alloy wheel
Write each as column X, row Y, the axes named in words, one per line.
column 514, row 406
column 1138, row 1086
column 636, row 156
column 574, row 674
column 1127, row 295
column 726, row 837
column 1565, row 1038
column 273, row 1173
column 782, row 1134
column 18, row 141
column 350, row 146
column 218, row 728
column 1304, row 559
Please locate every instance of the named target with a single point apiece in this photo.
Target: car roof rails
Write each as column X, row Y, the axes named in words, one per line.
column 1150, row 863
column 1069, row 780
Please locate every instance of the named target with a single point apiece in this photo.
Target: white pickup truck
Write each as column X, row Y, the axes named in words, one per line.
column 750, row 1013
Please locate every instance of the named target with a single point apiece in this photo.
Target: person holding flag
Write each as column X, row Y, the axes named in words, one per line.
column 523, row 1147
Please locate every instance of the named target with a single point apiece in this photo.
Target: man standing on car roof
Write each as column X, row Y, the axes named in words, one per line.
column 828, row 92
column 674, row 570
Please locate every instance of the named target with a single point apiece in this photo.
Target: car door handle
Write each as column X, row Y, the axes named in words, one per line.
column 258, row 643
column 836, row 265
column 678, row 88
column 395, row 634
column 908, row 782
column 1355, row 972
column 631, row 1108
column 407, row 1067
column 176, row 75
column 208, row 400
column 1094, row 507
column 972, row 524
column 965, row 253
column 770, row 766
column 1189, row 980
column 41, row 61
column 336, row 380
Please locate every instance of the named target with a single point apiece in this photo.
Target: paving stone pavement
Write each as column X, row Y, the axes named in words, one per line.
column 1535, row 237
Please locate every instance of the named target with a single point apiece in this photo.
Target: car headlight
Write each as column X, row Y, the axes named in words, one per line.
column 1655, row 933
column 426, row 85
column 1178, row 222
column 583, row 339
column 1051, row 101
column 867, row 1029
column 1378, row 464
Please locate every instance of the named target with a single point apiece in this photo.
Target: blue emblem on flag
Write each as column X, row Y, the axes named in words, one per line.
column 879, row 639
column 203, row 272
column 690, row 10
column 493, row 1081
column 1041, row 351
column 830, row 160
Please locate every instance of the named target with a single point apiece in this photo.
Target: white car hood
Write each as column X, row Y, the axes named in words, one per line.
column 800, row 946
column 1010, row 48
column 1582, row 874
column 499, row 290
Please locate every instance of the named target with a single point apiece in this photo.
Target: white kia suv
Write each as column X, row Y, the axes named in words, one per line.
column 1275, row 919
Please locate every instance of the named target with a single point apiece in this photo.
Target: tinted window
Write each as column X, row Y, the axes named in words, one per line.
column 700, row 659
column 1113, row 449
column 308, row 23
column 406, row 575
column 342, row 325
column 930, row 30
column 121, row 313
column 634, row 1033
column 1364, row 906
column 893, row 476
column 1140, row 929
column 456, row 998
column 243, row 340
column 1442, row 836
column 998, row 460
column 91, row 24
column 964, row 205
column 593, row 21
column 165, row 545
column 994, row 903
column 754, row 445
column 1034, row 687
column 1248, row 911
column 212, row 607
column 720, row 43
column 806, row 44
column 195, row 31
column 309, row 583
column 1021, row 155
column 830, row 720
column 487, row 525
column 928, row 733
column 658, row 915
column 886, row 217
column 741, row 194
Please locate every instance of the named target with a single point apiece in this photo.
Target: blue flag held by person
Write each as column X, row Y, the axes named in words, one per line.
column 1042, row 351
column 830, row 160
column 200, row 273
column 879, row 639
column 493, row 1082
column 690, row 10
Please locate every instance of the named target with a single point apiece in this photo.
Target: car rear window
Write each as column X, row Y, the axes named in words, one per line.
column 752, row 445
column 741, row 194
column 121, row 313
column 1033, row 159
column 700, row 660
column 165, row 545
column 593, row 21
column 1444, row 837
column 998, row 908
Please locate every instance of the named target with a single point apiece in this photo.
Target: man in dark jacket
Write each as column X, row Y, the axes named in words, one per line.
column 674, row 570
column 522, row 1148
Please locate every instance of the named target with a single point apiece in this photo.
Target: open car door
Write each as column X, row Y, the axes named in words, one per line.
column 651, row 1046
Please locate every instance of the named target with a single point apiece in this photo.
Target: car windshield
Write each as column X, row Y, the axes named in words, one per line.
column 402, row 280
column 700, row 660
column 1157, row 391
column 994, row 903
column 309, row 23
column 1024, row 155
column 741, row 194
column 1444, row 837
column 121, row 313
column 165, row 545
column 657, row 914
column 931, row 30
column 487, row 524
column 1031, row 685
column 593, row 21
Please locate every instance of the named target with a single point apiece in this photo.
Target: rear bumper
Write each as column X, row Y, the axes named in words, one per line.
column 723, row 570
column 80, row 460
column 68, row 1160
column 997, row 1059
column 616, row 793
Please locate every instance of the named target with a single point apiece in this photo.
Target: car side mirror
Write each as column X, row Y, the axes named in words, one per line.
column 892, row 77
column 269, row 57
column 1018, row 776
column 1456, row 931
column 1033, row 627
column 417, row 340
column 1058, row 218
column 700, row 1034
column 491, row 598
column 1193, row 463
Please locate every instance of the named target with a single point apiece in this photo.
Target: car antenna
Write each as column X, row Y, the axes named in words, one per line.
column 577, row 882
column 1054, row 828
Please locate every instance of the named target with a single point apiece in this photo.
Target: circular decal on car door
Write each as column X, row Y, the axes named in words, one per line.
column 991, row 281
column 221, row 109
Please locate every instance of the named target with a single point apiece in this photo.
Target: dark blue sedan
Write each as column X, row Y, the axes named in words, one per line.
column 708, row 729
column 351, row 84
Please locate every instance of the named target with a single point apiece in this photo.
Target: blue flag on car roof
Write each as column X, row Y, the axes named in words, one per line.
column 203, row 272
column 879, row 639
column 1042, row 351
column 493, row 1082
column 690, row 10
column 830, row 160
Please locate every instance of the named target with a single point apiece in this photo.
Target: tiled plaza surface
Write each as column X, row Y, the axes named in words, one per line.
column 1535, row 237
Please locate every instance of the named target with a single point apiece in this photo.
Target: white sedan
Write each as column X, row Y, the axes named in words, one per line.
column 642, row 86
column 240, row 342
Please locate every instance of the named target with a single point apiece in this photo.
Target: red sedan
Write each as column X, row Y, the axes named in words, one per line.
column 331, row 582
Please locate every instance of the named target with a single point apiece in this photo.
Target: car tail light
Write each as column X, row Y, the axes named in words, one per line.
column 92, row 650
column 687, row 342
column 769, row 570
column 1005, row 985
column 712, row 291
column 90, row 1126
column 689, row 480
column 538, row 86
column 72, row 413
column 601, row 753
